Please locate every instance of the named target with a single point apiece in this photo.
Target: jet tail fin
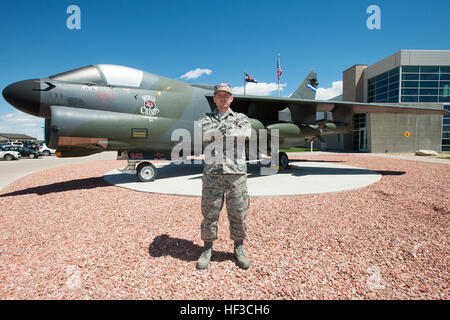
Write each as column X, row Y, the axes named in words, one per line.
column 307, row 89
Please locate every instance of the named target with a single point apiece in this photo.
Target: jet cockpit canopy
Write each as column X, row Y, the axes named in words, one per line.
column 103, row 74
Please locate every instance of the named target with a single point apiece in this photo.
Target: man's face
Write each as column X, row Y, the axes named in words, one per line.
column 223, row 99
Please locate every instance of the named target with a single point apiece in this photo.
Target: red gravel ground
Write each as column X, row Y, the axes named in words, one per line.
column 66, row 234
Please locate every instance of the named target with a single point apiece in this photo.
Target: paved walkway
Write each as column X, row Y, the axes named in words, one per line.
column 409, row 157
column 10, row 171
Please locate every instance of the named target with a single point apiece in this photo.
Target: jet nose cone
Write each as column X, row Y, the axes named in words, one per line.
column 24, row 95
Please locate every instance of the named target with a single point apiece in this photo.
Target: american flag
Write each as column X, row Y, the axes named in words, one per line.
column 279, row 71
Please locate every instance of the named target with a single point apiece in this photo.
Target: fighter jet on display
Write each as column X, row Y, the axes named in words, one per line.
column 110, row 107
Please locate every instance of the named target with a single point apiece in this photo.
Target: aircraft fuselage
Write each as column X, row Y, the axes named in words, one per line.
column 100, row 117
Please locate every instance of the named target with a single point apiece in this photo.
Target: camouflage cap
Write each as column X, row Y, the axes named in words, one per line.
column 222, row 87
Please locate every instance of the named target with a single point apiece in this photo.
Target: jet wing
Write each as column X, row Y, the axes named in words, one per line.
column 304, row 110
column 280, row 103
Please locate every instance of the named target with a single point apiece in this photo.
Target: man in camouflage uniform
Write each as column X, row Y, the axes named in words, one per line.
column 225, row 175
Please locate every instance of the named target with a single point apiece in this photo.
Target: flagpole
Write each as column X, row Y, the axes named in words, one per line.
column 278, row 75
column 244, row 82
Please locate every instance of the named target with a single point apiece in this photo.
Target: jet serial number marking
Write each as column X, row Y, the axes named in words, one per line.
column 89, row 88
column 135, row 155
column 103, row 96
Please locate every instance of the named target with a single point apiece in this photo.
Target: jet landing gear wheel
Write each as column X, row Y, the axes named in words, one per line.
column 283, row 160
column 146, row 172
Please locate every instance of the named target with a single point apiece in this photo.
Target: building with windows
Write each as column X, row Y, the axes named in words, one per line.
column 412, row 77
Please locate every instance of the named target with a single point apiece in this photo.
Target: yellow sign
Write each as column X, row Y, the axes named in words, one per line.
column 407, row 134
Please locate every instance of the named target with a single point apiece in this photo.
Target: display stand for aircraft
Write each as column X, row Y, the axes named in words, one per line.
column 302, row 177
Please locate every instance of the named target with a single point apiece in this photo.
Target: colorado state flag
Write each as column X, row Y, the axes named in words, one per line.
column 249, row 79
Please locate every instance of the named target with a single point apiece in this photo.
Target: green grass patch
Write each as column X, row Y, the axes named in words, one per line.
column 443, row 155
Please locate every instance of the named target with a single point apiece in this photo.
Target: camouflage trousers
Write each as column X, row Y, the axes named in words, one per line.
column 215, row 189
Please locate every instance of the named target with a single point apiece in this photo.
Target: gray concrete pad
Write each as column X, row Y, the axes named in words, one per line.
column 304, row 177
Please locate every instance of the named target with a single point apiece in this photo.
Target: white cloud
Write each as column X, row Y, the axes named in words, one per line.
column 328, row 93
column 197, row 73
column 259, row 89
column 20, row 122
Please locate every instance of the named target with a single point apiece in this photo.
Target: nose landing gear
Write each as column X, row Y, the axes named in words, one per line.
column 146, row 171
column 139, row 165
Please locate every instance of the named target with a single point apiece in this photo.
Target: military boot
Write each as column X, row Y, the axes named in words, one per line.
column 239, row 253
column 205, row 257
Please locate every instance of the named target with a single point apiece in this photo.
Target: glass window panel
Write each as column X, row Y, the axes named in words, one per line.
column 409, row 98
column 410, row 69
column 394, row 71
column 410, row 84
column 410, row 91
column 410, row 76
column 444, row 99
column 446, row 127
column 382, row 90
column 370, row 81
column 446, row 121
column 429, row 76
column 393, row 86
column 446, row 107
column 445, row 148
column 445, row 69
column 428, row 98
column 429, row 84
column 428, row 92
column 393, row 78
column 393, row 93
column 370, row 99
column 444, row 83
column 121, row 76
column 88, row 74
column 381, row 76
column 445, row 76
column 381, row 96
column 429, row 69
column 446, row 135
column 381, row 83
column 446, row 141
column 445, row 92
column 393, row 99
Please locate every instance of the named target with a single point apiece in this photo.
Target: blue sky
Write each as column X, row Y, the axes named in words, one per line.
column 171, row 38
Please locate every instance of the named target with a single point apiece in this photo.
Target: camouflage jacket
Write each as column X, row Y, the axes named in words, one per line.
column 224, row 142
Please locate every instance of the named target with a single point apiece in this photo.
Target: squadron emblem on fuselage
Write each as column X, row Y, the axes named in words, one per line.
column 149, row 107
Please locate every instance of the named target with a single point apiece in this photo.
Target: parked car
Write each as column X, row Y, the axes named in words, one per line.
column 24, row 152
column 9, row 155
column 18, row 144
column 46, row 151
column 31, row 145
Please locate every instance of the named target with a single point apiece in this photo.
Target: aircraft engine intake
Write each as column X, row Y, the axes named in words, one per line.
column 89, row 130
